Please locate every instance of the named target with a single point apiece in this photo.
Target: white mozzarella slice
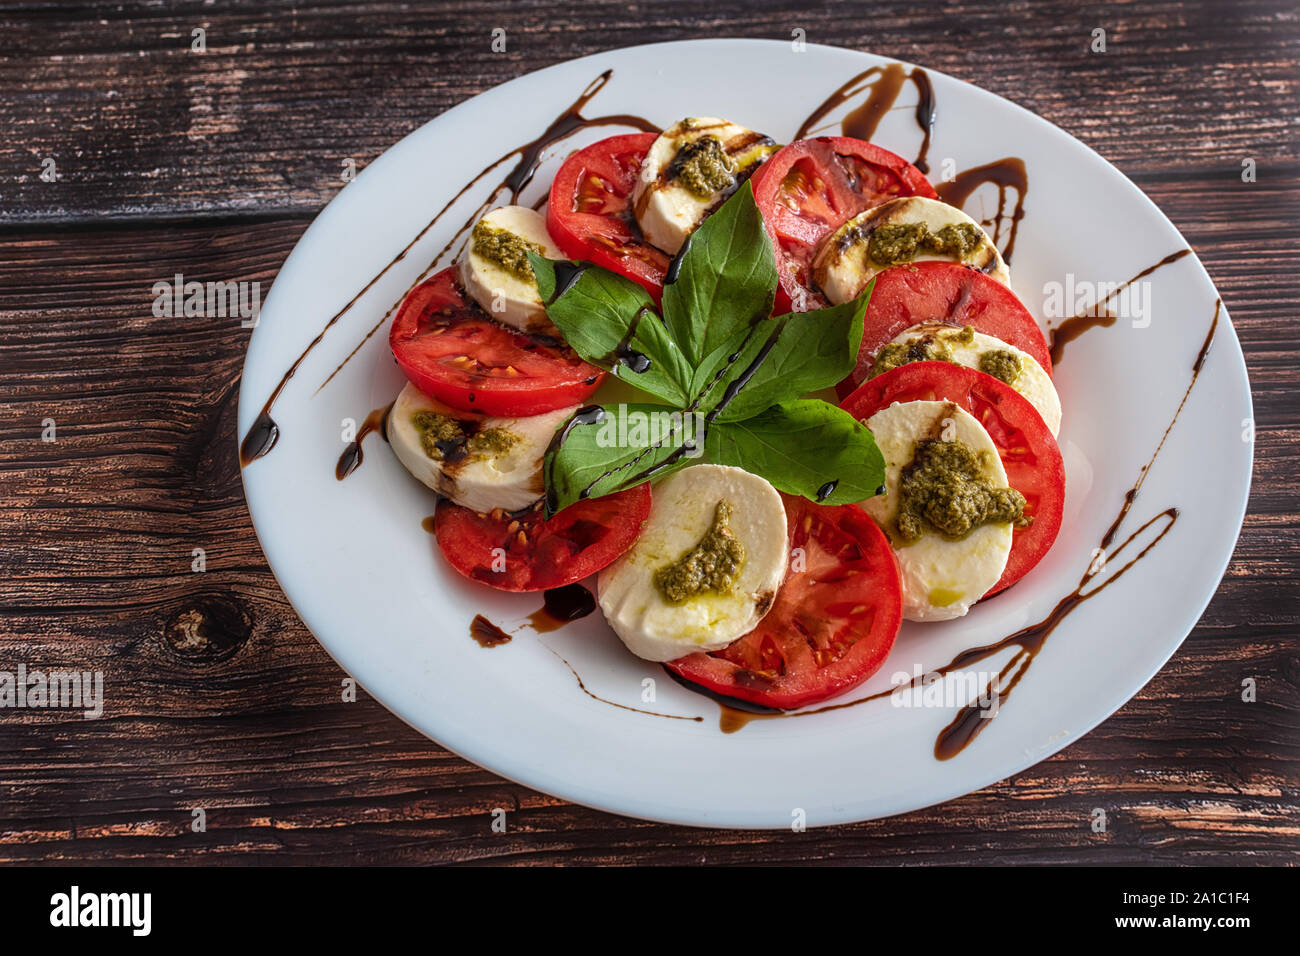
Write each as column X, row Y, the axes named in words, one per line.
column 681, row 513
column 497, row 463
column 941, row 578
column 668, row 201
column 510, row 298
column 842, row 267
column 1033, row 382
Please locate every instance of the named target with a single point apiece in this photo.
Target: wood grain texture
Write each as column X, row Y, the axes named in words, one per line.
column 140, row 125
column 212, row 164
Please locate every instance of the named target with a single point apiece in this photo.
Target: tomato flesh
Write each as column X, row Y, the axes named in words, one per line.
column 833, row 623
column 589, row 212
column 450, row 350
column 810, row 188
column 1028, row 451
column 945, row 292
column 530, row 552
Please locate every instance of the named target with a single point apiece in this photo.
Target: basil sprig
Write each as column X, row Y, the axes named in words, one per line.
column 730, row 376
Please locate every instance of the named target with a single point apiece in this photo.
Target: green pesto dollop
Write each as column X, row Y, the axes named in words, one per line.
column 703, row 167
column 712, row 565
column 491, row 441
column 444, row 438
column 926, row 348
column 955, row 239
column 963, row 336
column 438, row 433
column 930, row 347
column 944, row 489
column 1002, row 364
column 894, row 243
column 506, row 249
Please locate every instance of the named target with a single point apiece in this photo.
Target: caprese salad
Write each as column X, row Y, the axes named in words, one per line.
column 761, row 541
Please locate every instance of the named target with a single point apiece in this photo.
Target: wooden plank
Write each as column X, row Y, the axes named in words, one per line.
column 138, row 125
column 211, row 164
column 96, row 532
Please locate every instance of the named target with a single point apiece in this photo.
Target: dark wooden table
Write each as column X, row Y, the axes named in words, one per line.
column 213, row 163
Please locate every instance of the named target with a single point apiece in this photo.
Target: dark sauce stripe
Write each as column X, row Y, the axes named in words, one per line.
column 376, row 421
column 264, row 432
column 973, row 719
column 1096, row 315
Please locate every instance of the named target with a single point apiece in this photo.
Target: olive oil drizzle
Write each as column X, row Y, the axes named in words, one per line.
column 263, row 434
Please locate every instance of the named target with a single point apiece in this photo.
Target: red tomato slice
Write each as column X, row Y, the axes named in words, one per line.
column 832, row 625
column 1029, row 452
column 451, row 351
column 540, row 553
column 589, row 212
column 947, row 292
column 810, row 188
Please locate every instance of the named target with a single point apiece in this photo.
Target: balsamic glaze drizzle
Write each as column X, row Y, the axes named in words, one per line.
column 486, row 633
column 735, row 386
column 675, row 263
column 884, row 83
column 636, row 710
column 376, row 421
column 264, row 432
column 567, row 275
column 1097, row 315
column 569, row 603
column 587, row 415
column 1006, row 174
column 638, row 362
column 560, row 606
column 973, row 719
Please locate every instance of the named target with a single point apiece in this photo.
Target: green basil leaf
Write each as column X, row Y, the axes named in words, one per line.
column 802, row 447
column 611, row 322
column 726, row 278
column 735, row 362
column 628, row 445
column 813, row 350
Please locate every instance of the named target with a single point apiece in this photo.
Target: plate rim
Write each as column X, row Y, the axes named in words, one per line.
column 628, row 805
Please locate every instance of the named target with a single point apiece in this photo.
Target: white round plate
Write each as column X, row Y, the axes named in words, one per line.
column 368, row 582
